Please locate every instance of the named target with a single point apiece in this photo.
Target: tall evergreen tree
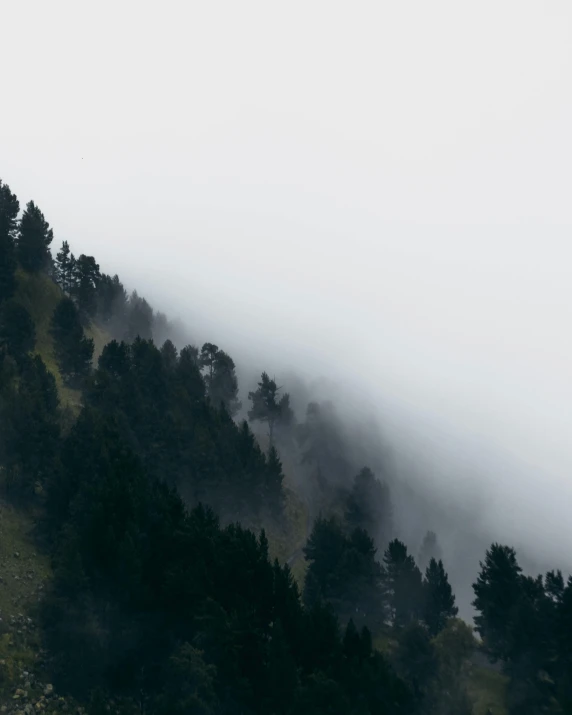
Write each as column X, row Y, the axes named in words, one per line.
column 404, row 584
column 139, row 318
column 65, row 268
column 368, row 507
column 220, row 377
column 17, row 330
column 34, row 239
column 9, row 208
column 267, row 407
column 438, row 598
column 73, row 349
column 498, row 589
column 86, row 281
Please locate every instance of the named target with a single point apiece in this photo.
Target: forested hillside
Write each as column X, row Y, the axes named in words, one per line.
column 177, row 567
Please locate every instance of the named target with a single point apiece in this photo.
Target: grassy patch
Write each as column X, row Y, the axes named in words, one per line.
column 40, row 296
column 487, row 690
column 23, row 569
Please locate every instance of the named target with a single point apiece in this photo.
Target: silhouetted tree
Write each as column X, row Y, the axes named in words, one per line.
column 266, row 407
column 9, row 208
column 17, row 330
column 438, row 598
column 368, row 506
column 497, row 590
column 139, row 318
column 73, row 349
column 34, row 239
column 65, row 268
column 404, row 584
column 220, row 377
column 86, row 281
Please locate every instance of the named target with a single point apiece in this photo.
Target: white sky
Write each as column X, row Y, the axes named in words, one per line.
column 380, row 189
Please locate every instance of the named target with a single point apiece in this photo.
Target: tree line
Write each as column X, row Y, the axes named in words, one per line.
column 163, row 606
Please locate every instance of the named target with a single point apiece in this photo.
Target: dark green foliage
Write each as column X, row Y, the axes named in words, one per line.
column 497, row 592
column 438, row 598
column 404, row 584
column 139, row 315
column 86, row 279
column 73, row 350
column 9, row 208
column 34, row 239
column 266, row 407
column 17, row 331
column 220, row 378
column 65, row 265
column 368, row 507
column 416, row 663
column 344, row 572
column 112, row 303
column 30, row 425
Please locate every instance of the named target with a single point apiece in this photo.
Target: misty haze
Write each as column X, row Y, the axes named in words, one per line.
column 285, row 359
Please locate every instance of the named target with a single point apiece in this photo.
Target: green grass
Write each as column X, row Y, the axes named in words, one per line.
column 487, row 690
column 40, row 296
column 23, row 568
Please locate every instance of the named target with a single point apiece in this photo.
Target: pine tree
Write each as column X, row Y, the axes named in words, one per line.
column 139, row 318
column 368, row 506
column 266, row 407
column 73, row 350
column 403, row 582
column 86, row 281
column 438, row 598
column 274, row 479
column 64, row 268
column 498, row 589
column 17, row 330
column 9, row 208
column 34, row 239
column 220, row 378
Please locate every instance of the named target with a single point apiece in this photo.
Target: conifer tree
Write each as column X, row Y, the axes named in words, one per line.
column 368, row 506
column 266, row 407
column 498, row 589
column 34, row 239
column 73, row 350
column 86, row 281
column 403, row 582
column 9, row 208
column 65, row 265
column 438, row 598
column 17, row 330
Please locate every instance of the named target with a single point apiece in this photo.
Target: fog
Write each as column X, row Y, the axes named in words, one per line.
column 374, row 195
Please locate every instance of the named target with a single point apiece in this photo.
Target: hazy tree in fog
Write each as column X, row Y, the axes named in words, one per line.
column 404, row 584
column 220, row 377
column 17, row 330
column 430, row 549
column 170, row 356
column 9, row 208
column 72, row 348
column 34, row 239
column 438, row 598
column 368, row 507
column 267, row 407
column 112, row 304
column 139, row 318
